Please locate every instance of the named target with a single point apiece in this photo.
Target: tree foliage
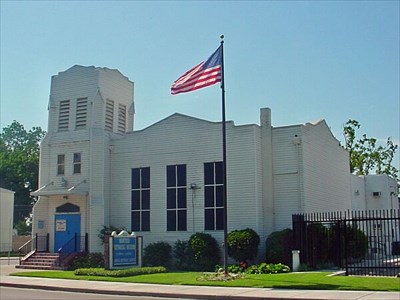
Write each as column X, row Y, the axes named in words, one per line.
column 19, row 165
column 279, row 245
column 157, row 254
column 366, row 155
column 204, row 251
column 243, row 244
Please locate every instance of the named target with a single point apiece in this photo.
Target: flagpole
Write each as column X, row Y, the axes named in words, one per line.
column 225, row 188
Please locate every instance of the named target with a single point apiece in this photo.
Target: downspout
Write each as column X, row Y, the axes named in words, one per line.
column 193, row 188
column 297, row 143
column 110, row 149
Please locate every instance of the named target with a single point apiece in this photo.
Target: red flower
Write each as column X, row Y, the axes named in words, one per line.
column 243, row 265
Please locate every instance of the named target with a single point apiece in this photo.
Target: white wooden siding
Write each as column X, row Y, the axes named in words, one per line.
column 6, row 219
column 287, row 182
column 326, row 170
column 72, row 84
column 118, row 88
column 184, row 140
column 386, row 186
column 358, row 199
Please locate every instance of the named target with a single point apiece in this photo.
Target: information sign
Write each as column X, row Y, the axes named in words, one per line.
column 124, row 251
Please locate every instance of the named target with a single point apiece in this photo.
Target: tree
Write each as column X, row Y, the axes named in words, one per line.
column 19, row 165
column 279, row 245
column 204, row 251
column 23, row 227
column 243, row 244
column 366, row 155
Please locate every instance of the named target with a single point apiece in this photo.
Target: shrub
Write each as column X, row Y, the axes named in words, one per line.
column 157, row 254
column 318, row 249
column 181, row 255
column 265, row 268
column 89, row 260
column 243, row 244
column 107, row 230
column 355, row 241
column 304, row 268
column 234, row 268
column 119, row 273
column 204, row 252
column 279, row 246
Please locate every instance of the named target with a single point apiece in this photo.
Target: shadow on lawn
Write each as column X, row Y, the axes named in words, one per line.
column 304, row 286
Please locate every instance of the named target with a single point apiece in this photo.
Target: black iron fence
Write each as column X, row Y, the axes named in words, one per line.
column 361, row 242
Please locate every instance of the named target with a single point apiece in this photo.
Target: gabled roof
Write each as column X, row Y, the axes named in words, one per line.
column 183, row 117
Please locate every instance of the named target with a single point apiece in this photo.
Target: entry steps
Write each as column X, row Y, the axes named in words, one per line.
column 40, row 261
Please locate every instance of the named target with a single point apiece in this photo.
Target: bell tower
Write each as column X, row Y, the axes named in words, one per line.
column 90, row 97
column 88, row 108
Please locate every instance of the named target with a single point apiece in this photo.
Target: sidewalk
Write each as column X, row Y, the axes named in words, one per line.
column 182, row 291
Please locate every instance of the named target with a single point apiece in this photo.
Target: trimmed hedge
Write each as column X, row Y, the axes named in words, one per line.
column 157, row 254
column 204, row 251
column 181, row 254
column 279, row 245
column 265, row 268
column 89, row 260
column 262, row 268
column 119, row 273
column 243, row 244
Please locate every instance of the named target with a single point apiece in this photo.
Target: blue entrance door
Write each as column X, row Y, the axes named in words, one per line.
column 66, row 226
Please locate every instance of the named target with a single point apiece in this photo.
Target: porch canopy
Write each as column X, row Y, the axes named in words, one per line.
column 50, row 190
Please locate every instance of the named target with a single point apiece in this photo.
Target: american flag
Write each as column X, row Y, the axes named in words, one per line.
column 204, row 74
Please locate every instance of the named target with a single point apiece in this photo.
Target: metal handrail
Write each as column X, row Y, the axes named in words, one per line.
column 72, row 246
column 36, row 243
column 23, row 250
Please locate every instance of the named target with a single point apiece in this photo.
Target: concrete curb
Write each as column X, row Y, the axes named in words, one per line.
column 183, row 291
column 152, row 294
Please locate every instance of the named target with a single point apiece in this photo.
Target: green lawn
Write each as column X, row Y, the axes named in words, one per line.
column 313, row 280
column 9, row 254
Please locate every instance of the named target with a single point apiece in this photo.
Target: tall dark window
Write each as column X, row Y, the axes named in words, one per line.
column 140, row 199
column 77, row 163
column 213, row 196
column 176, row 198
column 61, row 164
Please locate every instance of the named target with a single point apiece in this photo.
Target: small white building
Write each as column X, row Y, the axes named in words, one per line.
column 374, row 192
column 164, row 182
column 6, row 219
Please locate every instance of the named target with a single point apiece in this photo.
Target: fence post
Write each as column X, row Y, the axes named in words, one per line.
column 47, row 242
column 75, row 242
column 345, row 248
column 338, row 254
column 299, row 235
column 36, row 241
column 86, row 242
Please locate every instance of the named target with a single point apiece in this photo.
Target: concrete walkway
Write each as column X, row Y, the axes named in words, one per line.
column 181, row 291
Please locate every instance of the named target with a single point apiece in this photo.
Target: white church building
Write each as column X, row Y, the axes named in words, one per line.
column 164, row 182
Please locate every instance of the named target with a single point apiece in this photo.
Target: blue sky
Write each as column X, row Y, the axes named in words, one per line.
column 306, row 60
